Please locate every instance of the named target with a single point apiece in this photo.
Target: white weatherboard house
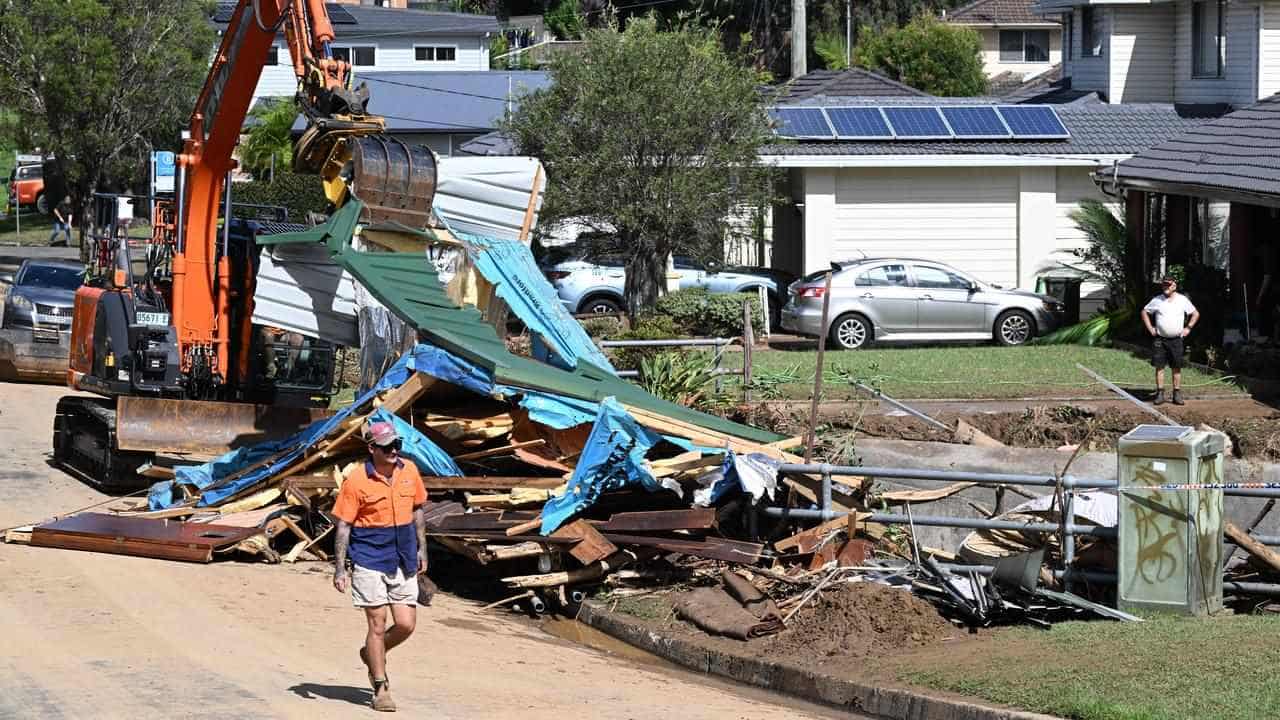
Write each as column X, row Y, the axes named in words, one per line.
column 1189, row 51
column 378, row 39
column 981, row 184
column 1015, row 40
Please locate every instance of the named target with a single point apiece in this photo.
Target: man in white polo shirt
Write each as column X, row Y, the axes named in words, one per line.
column 1173, row 316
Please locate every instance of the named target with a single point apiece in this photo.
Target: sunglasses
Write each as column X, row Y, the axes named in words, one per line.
column 393, row 447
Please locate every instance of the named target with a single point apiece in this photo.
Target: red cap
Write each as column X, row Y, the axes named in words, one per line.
column 383, row 433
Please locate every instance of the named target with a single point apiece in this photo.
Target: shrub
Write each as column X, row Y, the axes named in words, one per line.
column 681, row 377
column 648, row 327
column 300, row 194
column 605, row 326
column 700, row 313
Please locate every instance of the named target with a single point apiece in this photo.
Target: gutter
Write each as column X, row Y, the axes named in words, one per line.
column 958, row 160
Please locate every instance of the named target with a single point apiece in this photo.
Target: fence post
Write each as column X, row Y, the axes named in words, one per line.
column 764, row 312
column 748, row 344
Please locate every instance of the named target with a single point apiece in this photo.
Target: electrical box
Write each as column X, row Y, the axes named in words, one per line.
column 1170, row 541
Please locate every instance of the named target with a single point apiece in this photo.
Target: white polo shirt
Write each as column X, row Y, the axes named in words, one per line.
column 1170, row 313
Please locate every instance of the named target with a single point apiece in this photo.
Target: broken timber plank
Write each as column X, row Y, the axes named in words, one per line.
column 735, row 551
column 593, row 571
column 911, row 496
column 142, row 537
column 512, row 552
column 491, row 483
column 159, row 472
column 592, row 546
column 1250, row 545
column 403, row 396
column 660, row 520
column 499, row 450
column 525, row 527
column 807, row 541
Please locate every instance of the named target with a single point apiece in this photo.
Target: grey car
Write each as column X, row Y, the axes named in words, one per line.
column 910, row 300
column 42, row 298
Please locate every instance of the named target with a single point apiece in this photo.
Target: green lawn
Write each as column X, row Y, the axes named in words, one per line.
column 1164, row 669
column 962, row 372
column 36, row 229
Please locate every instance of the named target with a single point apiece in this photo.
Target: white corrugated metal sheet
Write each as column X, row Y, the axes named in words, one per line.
column 300, row 290
column 487, row 195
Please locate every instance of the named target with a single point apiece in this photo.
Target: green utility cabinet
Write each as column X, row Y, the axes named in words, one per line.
column 1170, row 540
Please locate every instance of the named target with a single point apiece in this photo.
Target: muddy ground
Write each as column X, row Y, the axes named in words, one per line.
column 1254, row 428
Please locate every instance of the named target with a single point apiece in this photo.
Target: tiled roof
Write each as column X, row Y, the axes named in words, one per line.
column 1009, row 84
column 445, row 102
column 1239, row 152
column 1096, row 129
column 355, row 22
column 997, row 12
column 844, row 83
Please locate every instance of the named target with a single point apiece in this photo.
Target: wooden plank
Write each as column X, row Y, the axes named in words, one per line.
column 491, row 483
column 593, row 545
column 403, row 396
column 1263, row 553
column 159, row 472
column 527, row 224
column 660, row 520
column 735, row 551
column 669, row 467
column 914, row 496
column 525, row 527
column 143, row 537
column 499, row 450
column 807, row 540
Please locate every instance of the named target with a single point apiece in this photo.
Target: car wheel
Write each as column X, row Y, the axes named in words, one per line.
column 42, row 204
column 1015, row 327
column 601, row 305
column 850, row 332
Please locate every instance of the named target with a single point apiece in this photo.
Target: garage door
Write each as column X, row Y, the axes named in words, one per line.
column 965, row 217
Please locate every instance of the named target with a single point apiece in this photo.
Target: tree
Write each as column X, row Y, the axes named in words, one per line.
column 268, row 138
column 98, row 83
column 936, row 57
column 652, row 137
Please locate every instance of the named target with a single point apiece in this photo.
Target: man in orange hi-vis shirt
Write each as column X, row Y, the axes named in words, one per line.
column 381, row 522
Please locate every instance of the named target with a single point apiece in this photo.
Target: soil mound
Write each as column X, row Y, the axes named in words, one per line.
column 861, row 620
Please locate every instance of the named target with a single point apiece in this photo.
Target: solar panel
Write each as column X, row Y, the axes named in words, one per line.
column 975, row 122
column 806, row 122
column 1033, row 122
column 859, row 123
column 338, row 15
column 917, row 123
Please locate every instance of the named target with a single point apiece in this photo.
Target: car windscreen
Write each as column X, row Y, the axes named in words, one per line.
column 52, row 276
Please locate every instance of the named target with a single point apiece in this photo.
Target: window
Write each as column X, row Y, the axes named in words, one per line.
column 361, row 56
column 932, row 277
column 1090, row 33
column 883, row 276
column 1206, row 39
column 273, row 55
column 1024, row 46
column 1068, row 34
column 435, row 53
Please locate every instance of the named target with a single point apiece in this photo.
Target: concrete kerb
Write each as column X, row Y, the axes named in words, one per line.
column 888, row 703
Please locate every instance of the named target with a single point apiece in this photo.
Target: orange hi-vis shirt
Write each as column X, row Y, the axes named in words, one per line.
column 380, row 512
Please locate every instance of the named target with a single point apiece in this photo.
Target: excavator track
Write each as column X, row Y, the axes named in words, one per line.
column 84, row 444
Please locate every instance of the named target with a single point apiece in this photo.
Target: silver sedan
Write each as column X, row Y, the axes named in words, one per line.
column 908, row 300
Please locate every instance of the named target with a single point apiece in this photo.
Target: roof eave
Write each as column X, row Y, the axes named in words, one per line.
column 943, row 160
column 1105, row 177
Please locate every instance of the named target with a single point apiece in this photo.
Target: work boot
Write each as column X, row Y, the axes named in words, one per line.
column 382, row 701
column 1159, row 400
column 1177, row 398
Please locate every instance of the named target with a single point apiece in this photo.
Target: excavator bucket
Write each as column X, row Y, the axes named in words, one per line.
column 182, row 427
column 395, row 181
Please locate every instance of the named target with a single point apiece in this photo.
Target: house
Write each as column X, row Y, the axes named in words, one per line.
column 1017, row 44
column 385, row 40
column 444, row 110
column 1184, row 51
column 1169, row 191
column 964, row 181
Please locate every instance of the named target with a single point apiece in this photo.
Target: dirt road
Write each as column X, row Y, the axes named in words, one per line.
column 107, row 636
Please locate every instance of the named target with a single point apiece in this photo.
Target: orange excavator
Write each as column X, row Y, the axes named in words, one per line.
column 173, row 355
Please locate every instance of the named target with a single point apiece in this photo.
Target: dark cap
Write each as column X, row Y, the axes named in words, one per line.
column 1168, row 280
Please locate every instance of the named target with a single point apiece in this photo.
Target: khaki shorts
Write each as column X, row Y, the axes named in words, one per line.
column 371, row 588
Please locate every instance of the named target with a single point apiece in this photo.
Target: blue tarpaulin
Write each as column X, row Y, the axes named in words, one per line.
column 210, row 479
column 558, row 339
column 612, row 458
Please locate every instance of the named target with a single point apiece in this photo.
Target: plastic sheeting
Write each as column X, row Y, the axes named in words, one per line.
column 558, row 339
column 613, row 458
column 755, row 474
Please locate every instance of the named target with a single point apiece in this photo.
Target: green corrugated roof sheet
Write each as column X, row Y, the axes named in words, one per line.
column 407, row 284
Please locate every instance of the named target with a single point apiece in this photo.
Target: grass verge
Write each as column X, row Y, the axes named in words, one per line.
column 1167, row 668
column 963, row 372
column 36, row 229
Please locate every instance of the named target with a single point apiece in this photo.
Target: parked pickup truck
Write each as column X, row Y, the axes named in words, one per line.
column 26, row 188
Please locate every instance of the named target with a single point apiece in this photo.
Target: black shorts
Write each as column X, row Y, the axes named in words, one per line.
column 1167, row 352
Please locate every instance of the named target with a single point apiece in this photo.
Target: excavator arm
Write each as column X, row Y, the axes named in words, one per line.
column 342, row 143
